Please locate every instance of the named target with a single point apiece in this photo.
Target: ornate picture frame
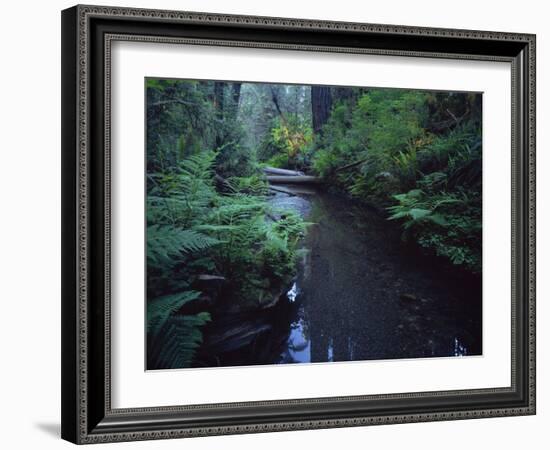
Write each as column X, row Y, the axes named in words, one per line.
column 87, row 35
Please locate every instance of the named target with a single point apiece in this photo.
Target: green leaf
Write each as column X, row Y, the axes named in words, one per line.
column 177, row 342
column 399, row 215
column 437, row 219
column 418, row 213
column 415, row 193
column 160, row 308
column 166, row 242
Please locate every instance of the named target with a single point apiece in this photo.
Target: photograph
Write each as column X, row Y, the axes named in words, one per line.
column 292, row 223
column 285, row 218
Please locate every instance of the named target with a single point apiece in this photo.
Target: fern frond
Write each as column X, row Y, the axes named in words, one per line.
column 232, row 212
column 160, row 308
column 274, row 241
column 199, row 166
column 166, row 242
column 176, row 343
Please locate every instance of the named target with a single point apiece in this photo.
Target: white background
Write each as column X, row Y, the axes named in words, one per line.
column 132, row 387
column 30, row 233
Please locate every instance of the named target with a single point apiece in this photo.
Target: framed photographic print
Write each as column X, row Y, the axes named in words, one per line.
column 278, row 224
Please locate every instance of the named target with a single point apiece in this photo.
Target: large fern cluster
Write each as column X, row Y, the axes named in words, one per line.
column 417, row 153
column 173, row 339
column 443, row 212
column 445, row 223
column 193, row 230
column 174, row 201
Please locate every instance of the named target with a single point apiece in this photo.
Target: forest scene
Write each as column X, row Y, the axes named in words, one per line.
column 308, row 224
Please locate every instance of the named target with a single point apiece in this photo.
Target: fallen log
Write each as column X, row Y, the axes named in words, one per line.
column 349, row 166
column 282, row 190
column 302, row 179
column 277, row 171
column 206, row 277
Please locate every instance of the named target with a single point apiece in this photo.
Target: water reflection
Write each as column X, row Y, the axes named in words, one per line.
column 292, row 293
column 460, row 350
column 298, row 345
column 316, row 342
column 356, row 297
column 330, row 350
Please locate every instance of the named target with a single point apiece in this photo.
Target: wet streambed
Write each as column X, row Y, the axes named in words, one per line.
column 358, row 295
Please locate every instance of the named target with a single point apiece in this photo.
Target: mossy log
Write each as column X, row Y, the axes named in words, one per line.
column 302, row 179
column 277, row 171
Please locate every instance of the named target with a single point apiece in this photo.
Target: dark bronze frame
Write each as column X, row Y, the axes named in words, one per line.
column 87, row 33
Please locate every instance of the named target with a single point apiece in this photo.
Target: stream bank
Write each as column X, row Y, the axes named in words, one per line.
column 358, row 295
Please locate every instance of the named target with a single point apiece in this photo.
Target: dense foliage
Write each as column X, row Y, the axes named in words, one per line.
column 215, row 244
column 196, row 233
column 408, row 151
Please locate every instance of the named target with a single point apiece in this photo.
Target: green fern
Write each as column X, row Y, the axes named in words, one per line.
column 178, row 343
column 181, row 196
column 449, row 224
column 414, row 209
column 253, row 185
column 173, row 339
column 199, row 166
column 160, row 308
column 166, row 242
column 187, row 216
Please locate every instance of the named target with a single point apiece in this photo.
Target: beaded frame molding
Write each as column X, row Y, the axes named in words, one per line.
column 87, row 35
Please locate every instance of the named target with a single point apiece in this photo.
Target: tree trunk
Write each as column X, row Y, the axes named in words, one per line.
column 275, row 99
column 321, row 103
column 235, row 97
column 219, row 97
column 219, row 105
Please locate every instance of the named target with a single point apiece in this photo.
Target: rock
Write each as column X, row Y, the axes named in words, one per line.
column 408, row 297
column 210, row 284
column 269, row 301
column 383, row 176
column 231, row 337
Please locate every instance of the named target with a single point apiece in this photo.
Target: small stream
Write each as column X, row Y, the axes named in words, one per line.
column 359, row 295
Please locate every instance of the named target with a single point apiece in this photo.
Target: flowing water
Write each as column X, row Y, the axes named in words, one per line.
column 358, row 295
